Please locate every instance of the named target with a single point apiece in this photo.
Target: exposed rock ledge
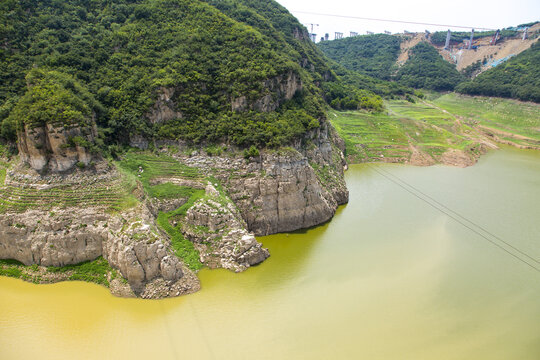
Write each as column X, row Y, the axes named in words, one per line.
column 278, row 191
column 284, row 190
column 130, row 242
column 49, row 148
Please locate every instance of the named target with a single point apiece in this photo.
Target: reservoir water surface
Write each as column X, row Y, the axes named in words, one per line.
column 395, row 275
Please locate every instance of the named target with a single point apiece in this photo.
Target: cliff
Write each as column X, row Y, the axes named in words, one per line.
column 157, row 241
column 287, row 189
column 50, row 148
column 58, row 234
column 243, row 79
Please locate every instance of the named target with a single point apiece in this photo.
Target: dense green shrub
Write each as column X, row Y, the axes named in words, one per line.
column 251, row 152
column 53, row 98
column 372, row 55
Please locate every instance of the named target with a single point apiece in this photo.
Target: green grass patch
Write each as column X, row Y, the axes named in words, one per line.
column 2, row 175
column 96, row 271
column 371, row 137
column 183, row 248
column 503, row 114
column 145, row 167
column 91, row 271
column 10, row 271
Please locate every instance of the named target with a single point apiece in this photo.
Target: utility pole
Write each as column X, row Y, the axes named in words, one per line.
column 354, row 33
column 495, row 38
column 338, row 35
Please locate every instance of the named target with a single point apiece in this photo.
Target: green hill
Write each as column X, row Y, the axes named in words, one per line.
column 373, row 55
column 517, row 78
column 428, row 70
column 240, row 71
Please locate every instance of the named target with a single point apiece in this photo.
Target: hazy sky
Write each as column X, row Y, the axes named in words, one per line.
column 474, row 13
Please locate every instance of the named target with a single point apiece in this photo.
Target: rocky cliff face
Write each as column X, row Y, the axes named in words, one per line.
column 218, row 231
column 288, row 189
column 130, row 243
column 279, row 89
column 70, row 222
column 164, row 108
column 55, row 149
column 281, row 190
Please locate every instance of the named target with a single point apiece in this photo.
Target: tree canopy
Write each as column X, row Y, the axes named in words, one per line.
column 372, row 55
column 207, row 53
column 428, row 70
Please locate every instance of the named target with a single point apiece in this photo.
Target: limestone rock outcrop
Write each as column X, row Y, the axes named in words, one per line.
column 287, row 189
column 50, row 148
column 164, row 108
column 279, row 89
column 218, row 231
column 130, row 243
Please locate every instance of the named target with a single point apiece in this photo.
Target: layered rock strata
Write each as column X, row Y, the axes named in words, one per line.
column 284, row 190
column 55, row 149
column 218, row 231
column 130, row 242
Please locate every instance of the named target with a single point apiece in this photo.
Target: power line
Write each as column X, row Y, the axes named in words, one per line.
column 392, row 21
column 462, row 217
column 456, row 219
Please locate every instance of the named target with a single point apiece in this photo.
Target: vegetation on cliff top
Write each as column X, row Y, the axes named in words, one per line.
column 372, row 55
column 51, row 98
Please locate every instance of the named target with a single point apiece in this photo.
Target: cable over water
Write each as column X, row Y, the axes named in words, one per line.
column 467, row 223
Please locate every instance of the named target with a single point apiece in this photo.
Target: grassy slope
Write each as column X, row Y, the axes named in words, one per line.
column 113, row 195
column 501, row 114
column 97, row 271
column 432, row 126
column 164, row 167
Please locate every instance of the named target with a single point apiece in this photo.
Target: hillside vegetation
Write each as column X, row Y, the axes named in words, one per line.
column 366, row 60
column 433, row 131
column 363, row 60
column 517, row 78
column 428, row 70
column 205, row 55
column 372, row 55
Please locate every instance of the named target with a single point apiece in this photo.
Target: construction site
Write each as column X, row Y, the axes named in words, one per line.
column 487, row 49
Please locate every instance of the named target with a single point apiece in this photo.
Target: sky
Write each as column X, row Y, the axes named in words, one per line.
column 476, row 13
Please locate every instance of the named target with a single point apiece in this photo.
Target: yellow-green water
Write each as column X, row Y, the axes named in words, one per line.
column 388, row 278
